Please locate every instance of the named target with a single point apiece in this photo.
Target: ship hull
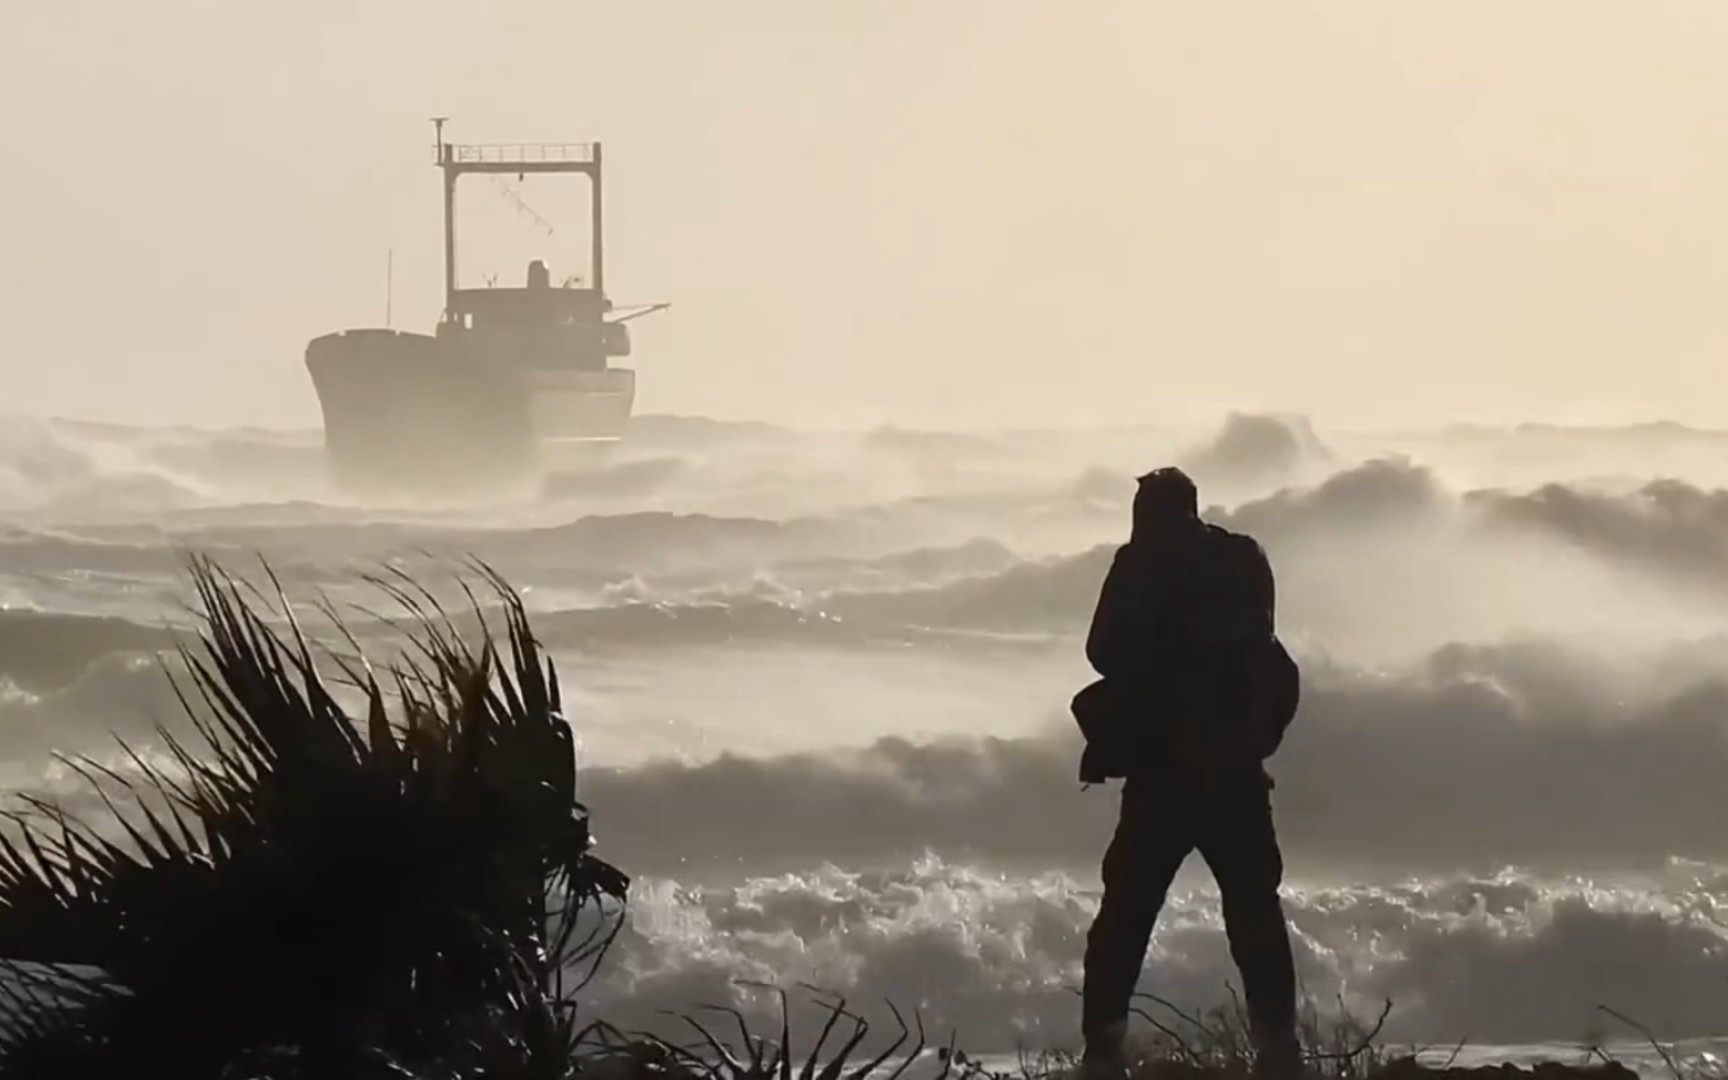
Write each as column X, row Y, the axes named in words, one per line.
column 421, row 414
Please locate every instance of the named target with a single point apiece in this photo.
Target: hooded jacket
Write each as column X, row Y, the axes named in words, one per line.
column 1180, row 590
column 1184, row 623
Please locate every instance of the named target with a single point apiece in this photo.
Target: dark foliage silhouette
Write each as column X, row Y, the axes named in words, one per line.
column 406, row 892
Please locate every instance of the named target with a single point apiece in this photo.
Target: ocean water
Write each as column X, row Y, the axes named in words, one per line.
column 820, row 684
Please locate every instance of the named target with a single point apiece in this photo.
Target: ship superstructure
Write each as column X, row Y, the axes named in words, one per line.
column 509, row 374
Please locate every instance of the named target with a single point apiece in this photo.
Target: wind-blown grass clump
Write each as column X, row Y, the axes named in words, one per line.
column 410, row 891
column 1172, row 1044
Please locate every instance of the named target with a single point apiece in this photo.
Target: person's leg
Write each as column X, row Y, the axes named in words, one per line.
column 1240, row 845
column 1144, row 855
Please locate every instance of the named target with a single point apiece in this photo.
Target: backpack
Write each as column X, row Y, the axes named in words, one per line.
column 1253, row 696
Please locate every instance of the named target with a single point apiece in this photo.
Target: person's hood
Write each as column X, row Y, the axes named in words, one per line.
column 1155, row 526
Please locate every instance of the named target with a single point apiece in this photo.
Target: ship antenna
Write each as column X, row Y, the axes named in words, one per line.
column 438, row 130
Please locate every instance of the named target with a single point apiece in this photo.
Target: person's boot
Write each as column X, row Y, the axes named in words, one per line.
column 1277, row 1056
column 1106, row 1054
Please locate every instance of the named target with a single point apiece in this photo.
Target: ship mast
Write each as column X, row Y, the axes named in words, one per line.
column 443, row 159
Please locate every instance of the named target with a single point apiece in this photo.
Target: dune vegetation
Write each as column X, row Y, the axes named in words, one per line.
column 296, row 887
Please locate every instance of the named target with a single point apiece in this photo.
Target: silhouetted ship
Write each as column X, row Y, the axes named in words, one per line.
column 510, row 377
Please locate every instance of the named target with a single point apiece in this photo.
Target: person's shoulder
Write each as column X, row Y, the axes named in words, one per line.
column 1234, row 543
column 1221, row 534
column 1133, row 560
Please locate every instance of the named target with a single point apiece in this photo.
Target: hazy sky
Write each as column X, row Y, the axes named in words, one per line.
column 904, row 211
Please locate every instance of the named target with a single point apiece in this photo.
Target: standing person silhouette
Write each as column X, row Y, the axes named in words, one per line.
column 1200, row 692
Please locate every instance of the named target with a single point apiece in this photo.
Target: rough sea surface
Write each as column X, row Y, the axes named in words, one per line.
column 820, row 682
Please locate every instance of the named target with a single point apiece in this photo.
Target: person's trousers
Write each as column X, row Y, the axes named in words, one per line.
column 1229, row 821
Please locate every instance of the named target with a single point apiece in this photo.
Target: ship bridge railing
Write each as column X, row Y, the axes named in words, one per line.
column 582, row 153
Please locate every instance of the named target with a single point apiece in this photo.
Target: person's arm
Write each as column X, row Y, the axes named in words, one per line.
column 1240, row 605
column 1265, row 588
column 1279, row 686
column 1104, row 639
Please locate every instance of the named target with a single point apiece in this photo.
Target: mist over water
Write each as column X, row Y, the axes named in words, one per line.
column 821, row 679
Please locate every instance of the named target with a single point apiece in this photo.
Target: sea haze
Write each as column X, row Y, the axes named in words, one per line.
column 820, row 682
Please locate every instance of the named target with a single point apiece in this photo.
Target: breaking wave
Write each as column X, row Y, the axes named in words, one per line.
column 1505, row 958
column 42, row 651
column 1531, row 754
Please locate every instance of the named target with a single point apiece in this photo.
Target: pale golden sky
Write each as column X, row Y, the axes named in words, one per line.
column 967, row 212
